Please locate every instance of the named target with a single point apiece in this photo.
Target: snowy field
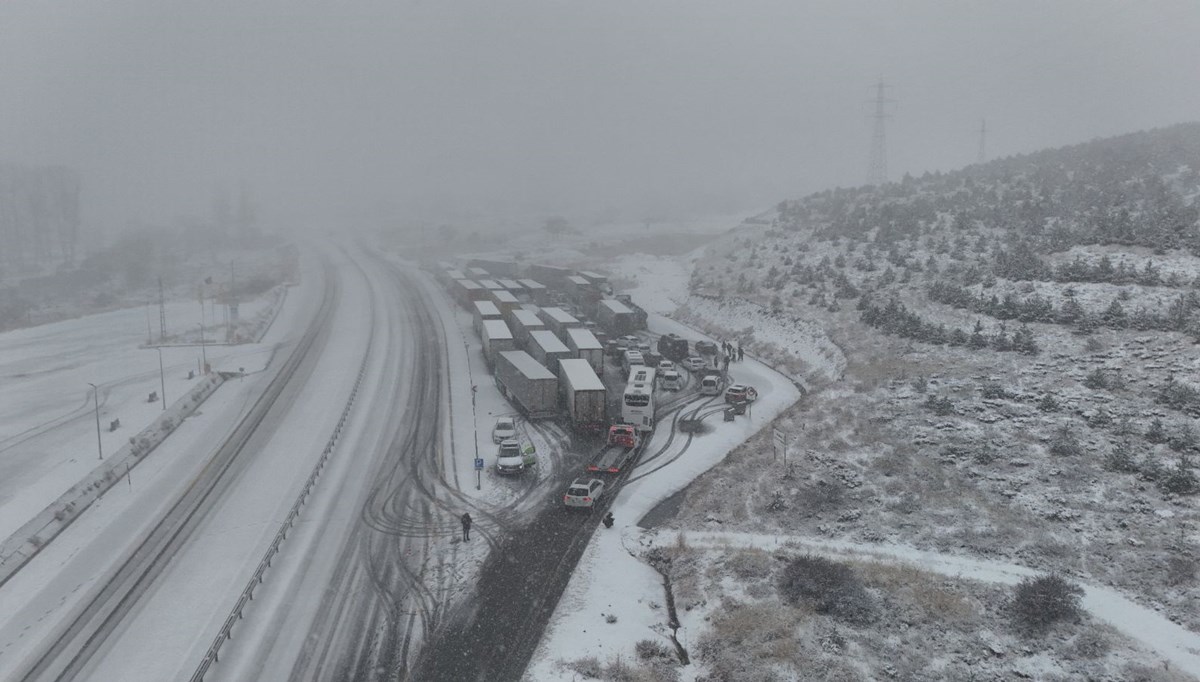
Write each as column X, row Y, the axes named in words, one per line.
column 47, row 411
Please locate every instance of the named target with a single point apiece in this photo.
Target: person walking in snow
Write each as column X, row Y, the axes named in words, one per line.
column 741, row 353
column 466, row 523
column 607, row 520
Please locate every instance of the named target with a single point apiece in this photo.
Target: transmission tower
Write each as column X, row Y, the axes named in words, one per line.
column 983, row 141
column 877, row 170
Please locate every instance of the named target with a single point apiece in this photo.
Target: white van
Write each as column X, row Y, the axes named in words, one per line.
column 710, row 385
column 670, row 380
column 631, row 358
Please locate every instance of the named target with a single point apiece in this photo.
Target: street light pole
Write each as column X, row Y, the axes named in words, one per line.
column 96, row 395
column 203, row 352
column 162, row 377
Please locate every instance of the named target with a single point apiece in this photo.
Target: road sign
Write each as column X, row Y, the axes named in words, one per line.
column 478, row 462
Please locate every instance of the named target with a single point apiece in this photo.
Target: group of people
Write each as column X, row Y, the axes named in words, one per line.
column 732, row 353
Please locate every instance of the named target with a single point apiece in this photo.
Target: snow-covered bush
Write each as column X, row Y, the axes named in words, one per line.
column 830, row 587
column 1038, row 603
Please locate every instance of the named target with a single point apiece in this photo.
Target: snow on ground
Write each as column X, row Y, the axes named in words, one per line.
column 610, row 580
column 47, row 416
column 69, row 569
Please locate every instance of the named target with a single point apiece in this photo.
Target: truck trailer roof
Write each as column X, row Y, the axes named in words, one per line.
column 548, row 341
column 616, row 306
column 584, row 339
column 526, row 365
column 486, row 308
column 496, row 330
column 579, row 375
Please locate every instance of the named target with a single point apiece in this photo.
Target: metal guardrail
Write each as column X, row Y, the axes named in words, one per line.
column 226, row 632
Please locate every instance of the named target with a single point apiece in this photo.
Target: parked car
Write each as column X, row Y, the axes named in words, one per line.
column 710, row 385
column 670, row 380
column 706, row 347
column 505, row 428
column 665, row 365
column 509, row 459
column 583, row 493
column 695, row 363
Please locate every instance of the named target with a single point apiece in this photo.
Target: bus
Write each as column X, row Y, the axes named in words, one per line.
column 637, row 403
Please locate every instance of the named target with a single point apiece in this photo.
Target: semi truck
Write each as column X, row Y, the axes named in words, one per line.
column 584, row 344
column 559, row 321
column 522, row 322
column 583, row 395
column 536, row 291
column 547, row 349
column 497, row 338
column 528, row 384
column 484, row 310
column 620, row 449
column 616, row 317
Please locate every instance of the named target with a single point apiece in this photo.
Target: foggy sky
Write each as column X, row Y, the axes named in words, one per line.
column 498, row 111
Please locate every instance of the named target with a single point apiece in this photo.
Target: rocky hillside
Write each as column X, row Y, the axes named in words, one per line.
column 1021, row 378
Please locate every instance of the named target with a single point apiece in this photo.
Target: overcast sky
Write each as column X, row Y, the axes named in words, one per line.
column 342, row 111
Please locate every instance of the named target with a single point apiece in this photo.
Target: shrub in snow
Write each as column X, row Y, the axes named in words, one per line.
column 1181, row 570
column 942, row 407
column 588, row 667
column 1157, row 433
column 650, row 650
column 1064, row 443
column 993, row 391
column 1180, row 479
column 1120, row 459
column 830, row 587
column 1048, row 403
column 1040, row 602
column 610, row 618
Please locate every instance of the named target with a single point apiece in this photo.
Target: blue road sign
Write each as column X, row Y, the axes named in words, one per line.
column 478, row 462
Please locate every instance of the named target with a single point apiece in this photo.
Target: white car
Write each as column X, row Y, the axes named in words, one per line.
column 695, row 363
column 509, row 459
column 624, row 342
column 665, row 365
column 505, row 428
column 670, row 380
column 583, row 493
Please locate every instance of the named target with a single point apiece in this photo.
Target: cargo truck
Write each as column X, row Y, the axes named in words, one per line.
column 547, row 349
column 484, row 310
column 586, row 346
column 583, row 395
column 616, row 317
column 496, row 339
column 559, row 321
column 522, row 322
column 620, row 449
column 528, row 384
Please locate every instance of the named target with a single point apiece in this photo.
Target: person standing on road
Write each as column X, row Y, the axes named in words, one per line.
column 466, row 522
column 741, row 353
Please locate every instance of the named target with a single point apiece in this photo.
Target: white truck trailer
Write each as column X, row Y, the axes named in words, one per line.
column 528, row 384
column 496, row 339
column 584, row 344
column 583, row 395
